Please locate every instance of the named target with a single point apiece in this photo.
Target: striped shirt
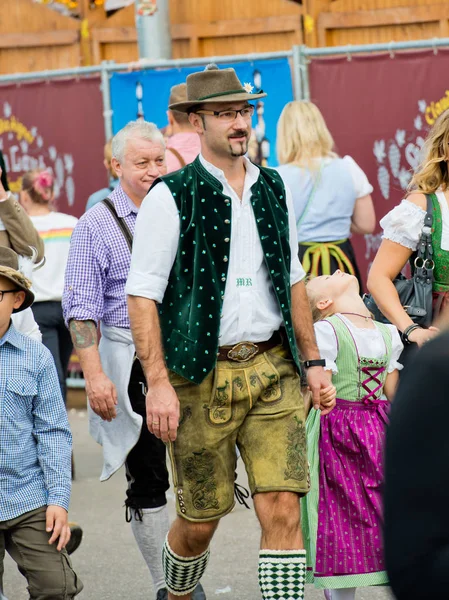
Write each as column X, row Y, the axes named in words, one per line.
column 98, row 265
column 36, row 443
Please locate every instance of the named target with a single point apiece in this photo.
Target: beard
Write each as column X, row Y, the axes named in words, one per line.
column 241, row 148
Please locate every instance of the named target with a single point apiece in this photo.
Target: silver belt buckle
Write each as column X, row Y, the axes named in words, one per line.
column 243, row 351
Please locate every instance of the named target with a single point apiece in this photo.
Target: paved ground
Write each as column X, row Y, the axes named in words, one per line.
column 108, row 561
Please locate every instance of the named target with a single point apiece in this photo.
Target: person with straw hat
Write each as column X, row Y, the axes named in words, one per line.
column 35, row 452
column 218, row 311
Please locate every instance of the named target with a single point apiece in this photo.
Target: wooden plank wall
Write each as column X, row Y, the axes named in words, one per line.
column 342, row 22
column 32, row 38
column 207, row 28
column 210, row 28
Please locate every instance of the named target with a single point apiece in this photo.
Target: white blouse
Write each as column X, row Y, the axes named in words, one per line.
column 370, row 343
column 404, row 223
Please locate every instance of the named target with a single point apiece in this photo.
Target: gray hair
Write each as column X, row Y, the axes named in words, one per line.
column 135, row 129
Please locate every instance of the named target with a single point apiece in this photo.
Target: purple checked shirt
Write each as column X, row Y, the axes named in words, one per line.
column 98, row 265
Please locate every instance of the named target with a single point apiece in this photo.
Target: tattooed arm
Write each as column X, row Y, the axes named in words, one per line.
column 99, row 388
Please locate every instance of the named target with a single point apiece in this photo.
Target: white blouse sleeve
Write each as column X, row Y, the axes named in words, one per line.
column 397, row 348
column 404, row 224
column 327, row 344
column 361, row 184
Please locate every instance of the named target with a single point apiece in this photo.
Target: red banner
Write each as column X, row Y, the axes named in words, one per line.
column 379, row 109
column 56, row 125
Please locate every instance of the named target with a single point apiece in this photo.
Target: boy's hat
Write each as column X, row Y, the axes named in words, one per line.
column 9, row 268
column 215, row 85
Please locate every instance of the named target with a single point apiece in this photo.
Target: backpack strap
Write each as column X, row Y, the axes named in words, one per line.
column 120, row 222
column 178, row 156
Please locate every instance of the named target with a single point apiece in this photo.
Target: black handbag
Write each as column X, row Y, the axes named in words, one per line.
column 415, row 293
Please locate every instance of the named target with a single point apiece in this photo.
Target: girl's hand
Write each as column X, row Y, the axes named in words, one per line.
column 327, row 399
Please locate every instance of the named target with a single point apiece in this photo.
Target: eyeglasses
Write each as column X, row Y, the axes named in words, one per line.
column 227, row 116
column 3, row 292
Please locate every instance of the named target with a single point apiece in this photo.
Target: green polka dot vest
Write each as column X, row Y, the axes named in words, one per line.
column 191, row 310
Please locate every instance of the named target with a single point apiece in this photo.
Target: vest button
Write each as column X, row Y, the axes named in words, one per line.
column 225, row 259
column 226, row 239
column 227, row 221
column 223, row 278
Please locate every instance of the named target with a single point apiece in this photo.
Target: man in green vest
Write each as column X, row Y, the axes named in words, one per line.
column 218, row 311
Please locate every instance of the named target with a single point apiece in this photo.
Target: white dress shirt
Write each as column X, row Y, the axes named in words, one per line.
column 250, row 309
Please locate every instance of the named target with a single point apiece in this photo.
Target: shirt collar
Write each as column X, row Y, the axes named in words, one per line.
column 122, row 202
column 12, row 337
column 252, row 171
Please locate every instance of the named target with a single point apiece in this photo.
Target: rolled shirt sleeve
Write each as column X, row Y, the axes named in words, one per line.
column 155, row 245
column 85, row 276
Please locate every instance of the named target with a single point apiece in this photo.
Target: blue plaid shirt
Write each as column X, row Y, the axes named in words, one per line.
column 35, row 438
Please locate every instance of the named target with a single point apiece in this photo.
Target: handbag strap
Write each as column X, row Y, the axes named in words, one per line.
column 423, row 263
column 120, row 222
column 311, row 196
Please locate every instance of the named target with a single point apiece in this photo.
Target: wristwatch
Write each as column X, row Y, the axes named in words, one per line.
column 319, row 362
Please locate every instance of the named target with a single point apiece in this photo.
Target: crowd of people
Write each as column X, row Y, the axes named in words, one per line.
column 215, row 307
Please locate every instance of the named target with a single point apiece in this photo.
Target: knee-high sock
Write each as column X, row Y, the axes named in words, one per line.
column 282, row 574
column 150, row 534
column 344, row 594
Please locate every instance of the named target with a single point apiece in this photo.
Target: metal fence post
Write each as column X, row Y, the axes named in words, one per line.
column 106, row 95
column 300, row 73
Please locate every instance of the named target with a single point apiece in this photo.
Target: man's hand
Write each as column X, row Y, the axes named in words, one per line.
column 162, row 410
column 318, row 382
column 102, row 396
column 57, row 523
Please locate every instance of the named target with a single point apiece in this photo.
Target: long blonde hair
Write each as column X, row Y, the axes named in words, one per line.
column 432, row 173
column 302, row 135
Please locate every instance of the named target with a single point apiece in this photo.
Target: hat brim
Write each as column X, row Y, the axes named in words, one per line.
column 226, row 99
column 29, row 296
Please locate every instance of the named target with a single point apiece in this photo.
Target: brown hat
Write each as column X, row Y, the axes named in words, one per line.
column 215, row 85
column 9, row 268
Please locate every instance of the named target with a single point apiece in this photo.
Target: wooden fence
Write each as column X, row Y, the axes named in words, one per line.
column 33, row 37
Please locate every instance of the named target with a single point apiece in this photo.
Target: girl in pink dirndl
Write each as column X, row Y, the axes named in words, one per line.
column 342, row 514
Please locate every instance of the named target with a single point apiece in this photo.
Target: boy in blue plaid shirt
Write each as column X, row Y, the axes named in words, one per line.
column 35, row 451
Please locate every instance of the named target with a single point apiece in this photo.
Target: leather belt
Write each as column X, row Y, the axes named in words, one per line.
column 244, row 351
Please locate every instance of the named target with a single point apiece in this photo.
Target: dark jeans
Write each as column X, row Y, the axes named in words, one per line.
column 146, row 465
column 55, row 336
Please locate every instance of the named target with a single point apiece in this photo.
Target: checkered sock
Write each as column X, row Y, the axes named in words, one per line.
column 282, row 574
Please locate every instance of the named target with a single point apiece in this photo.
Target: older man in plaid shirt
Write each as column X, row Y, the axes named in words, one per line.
column 94, row 295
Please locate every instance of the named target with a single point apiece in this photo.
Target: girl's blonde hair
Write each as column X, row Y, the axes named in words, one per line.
column 432, row 173
column 302, row 135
